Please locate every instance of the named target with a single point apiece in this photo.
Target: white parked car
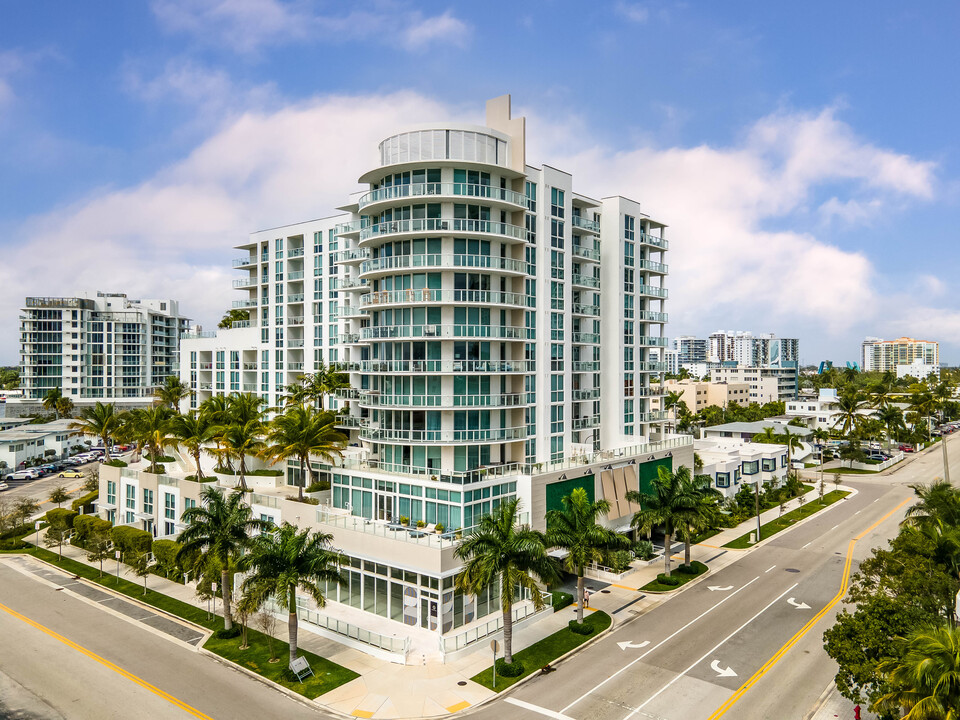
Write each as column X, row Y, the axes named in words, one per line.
column 4, row 486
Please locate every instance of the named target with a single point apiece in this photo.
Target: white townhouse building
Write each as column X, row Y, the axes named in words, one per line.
column 22, row 442
column 102, row 347
column 731, row 462
column 500, row 329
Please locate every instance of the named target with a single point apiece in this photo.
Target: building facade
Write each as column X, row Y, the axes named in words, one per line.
column 690, row 350
column 767, row 384
column 103, row 348
column 744, row 349
column 697, row 395
column 488, row 314
column 888, row 355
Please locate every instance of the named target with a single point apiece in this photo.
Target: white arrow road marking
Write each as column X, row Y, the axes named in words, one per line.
column 709, row 652
column 722, row 672
column 662, row 642
column 633, row 646
column 714, row 588
column 798, row 605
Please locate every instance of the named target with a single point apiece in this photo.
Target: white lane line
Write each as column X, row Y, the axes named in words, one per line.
column 857, row 512
column 806, row 545
column 877, row 500
column 769, row 569
column 669, row 637
column 835, row 526
column 537, row 709
column 707, row 654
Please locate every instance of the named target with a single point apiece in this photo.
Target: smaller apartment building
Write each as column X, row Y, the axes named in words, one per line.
column 698, row 395
column 50, row 440
column 767, row 384
column 822, row 412
column 732, row 463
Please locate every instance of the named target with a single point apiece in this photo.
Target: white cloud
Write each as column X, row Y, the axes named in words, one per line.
column 171, row 235
column 850, row 212
column 245, row 26
column 633, row 11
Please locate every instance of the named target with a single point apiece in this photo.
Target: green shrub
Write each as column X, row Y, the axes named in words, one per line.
column 165, row 555
column 504, row 669
column 86, row 525
column 643, row 549
column 619, row 560
column 85, row 500
column 561, row 600
column 17, row 531
column 319, row 486
column 580, row 628
column 687, row 569
column 267, row 472
column 129, row 539
column 160, row 458
column 116, row 462
column 67, row 516
column 227, row 634
column 664, row 579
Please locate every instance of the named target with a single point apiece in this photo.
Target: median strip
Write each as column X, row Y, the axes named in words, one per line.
column 788, row 520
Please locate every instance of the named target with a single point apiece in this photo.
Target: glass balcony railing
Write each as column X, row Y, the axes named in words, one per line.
column 581, row 309
column 585, row 280
column 485, row 262
column 586, row 366
column 652, row 341
column 433, row 436
column 589, row 421
column 399, row 192
column 239, row 304
column 651, row 266
column 444, row 366
column 375, row 399
column 244, row 261
column 245, row 282
column 497, row 332
column 647, row 239
column 651, row 291
column 584, row 224
column 649, row 316
column 586, row 253
column 404, row 297
column 352, row 255
column 441, row 225
column 581, row 338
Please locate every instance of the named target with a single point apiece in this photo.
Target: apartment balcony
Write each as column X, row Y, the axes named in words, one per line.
column 294, row 366
column 348, row 229
column 583, row 338
column 587, row 281
column 413, row 297
column 586, row 422
column 350, row 284
column 657, row 242
column 651, row 367
column 350, row 421
column 586, row 394
column 242, row 304
column 249, row 366
column 349, row 311
column 652, row 417
column 591, row 226
column 241, row 324
column 295, row 320
column 648, row 316
column 294, row 343
column 488, row 435
column 295, row 252
column 349, row 338
column 499, row 367
column 296, row 275
column 645, row 392
column 243, row 262
column 651, row 291
column 246, row 282
column 580, row 366
column 444, row 225
column 651, row 267
column 495, row 332
column 352, row 255
column 295, row 298
column 372, row 398
column 453, row 191
column 581, row 309
column 348, row 393
column 585, row 253
column 439, row 261
column 652, row 341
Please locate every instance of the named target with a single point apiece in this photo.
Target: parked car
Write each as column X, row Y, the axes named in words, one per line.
column 71, row 474
column 21, row 475
column 4, row 486
column 906, row 448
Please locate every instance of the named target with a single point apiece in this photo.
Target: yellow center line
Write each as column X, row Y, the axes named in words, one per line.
column 767, row 666
column 106, row 663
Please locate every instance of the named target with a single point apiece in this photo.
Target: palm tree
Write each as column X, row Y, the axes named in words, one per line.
column 101, row 421
column 50, row 400
column 670, row 402
column 499, row 551
column 938, row 505
column 64, row 407
column 151, row 427
column 325, row 380
column 217, row 410
column 289, row 559
column 576, row 530
column 791, row 441
column 193, row 431
column 891, row 417
column 921, row 405
column 880, row 393
column 296, row 393
column 172, row 392
column 926, row 680
column 767, row 435
column 704, row 498
column 850, row 404
column 666, row 505
column 301, row 432
column 237, row 441
column 220, row 530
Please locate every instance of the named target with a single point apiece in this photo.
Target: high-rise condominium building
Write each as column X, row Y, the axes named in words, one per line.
column 101, row 347
column 886, row 355
column 497, row 326
column 747, row 350
column 690, row 350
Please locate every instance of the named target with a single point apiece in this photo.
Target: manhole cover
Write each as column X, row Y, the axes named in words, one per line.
column 462, row 683
column 605, row 591
column 791, row 570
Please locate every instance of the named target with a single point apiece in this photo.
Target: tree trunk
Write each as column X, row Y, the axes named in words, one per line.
column 196, row 459
column 686, row 548
column 292, row 625
column 226, row 592
column 302, row 481
column 243, row 470
column 580, row 602
column 667, row 543
column 508, row 630
column 106, row 447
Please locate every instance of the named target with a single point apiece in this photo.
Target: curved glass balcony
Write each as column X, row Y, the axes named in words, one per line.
column 444, row 261
column 443, row 225
column 442, row 436
column 499, row 367
column 374, row 399
column 496, row 332
column 454, row 190
column 414, row 297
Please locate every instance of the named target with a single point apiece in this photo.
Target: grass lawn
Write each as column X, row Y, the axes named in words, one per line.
column 326, row 675
column 545, row 651
column 656, row 586
column 788, row 519
column 849, row 471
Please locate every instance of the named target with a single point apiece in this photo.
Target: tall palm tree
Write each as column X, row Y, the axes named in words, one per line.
column 237, row 441
column 301, row 432
column 50, row 400
column 172, row 392
column 670, row 402
column 64, row 407
column 216, row 409
column 498, row 551
column 576, row 530
column 891, row 417
column 244, row 407
column 151, row 427
column 326, row 379
column 666, row 505
column 880, row 393
column 219, row 528
column 850, row 404
column 193, row 431
column 288, row 560
column 703, row 502
column 938, row 505
column 102, row 421
column 296, row 393
column 926, row 680
column 921, row 405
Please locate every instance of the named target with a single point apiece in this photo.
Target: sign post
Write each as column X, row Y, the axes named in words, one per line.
column 495, row 646
column 213, row 588
column 36, row 526
column 116, row 554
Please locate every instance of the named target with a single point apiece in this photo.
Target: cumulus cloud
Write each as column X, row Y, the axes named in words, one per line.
column 248, row 25
column 732, row 262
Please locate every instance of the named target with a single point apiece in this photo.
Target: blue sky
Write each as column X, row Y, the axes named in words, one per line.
column 804, row 154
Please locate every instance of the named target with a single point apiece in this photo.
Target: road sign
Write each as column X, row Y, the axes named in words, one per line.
column 37, row 524
column 495, row 646
column 301, row 668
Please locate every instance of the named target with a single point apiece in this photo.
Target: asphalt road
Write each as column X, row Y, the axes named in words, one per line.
column 64, row 657
column 41, row 488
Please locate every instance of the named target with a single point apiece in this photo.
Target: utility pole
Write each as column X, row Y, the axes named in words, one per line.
column 946, row 461
column 757, row 497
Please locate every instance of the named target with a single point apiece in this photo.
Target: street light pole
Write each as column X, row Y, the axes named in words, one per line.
column 757, row 496
column 946, row 461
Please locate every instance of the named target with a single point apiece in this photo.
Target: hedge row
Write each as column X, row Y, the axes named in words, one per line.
column 85, row 501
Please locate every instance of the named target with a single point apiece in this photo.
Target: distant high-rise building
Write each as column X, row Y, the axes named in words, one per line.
column 690, row 349
column 103, row 347
column 747, row 350
column 887, row 355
